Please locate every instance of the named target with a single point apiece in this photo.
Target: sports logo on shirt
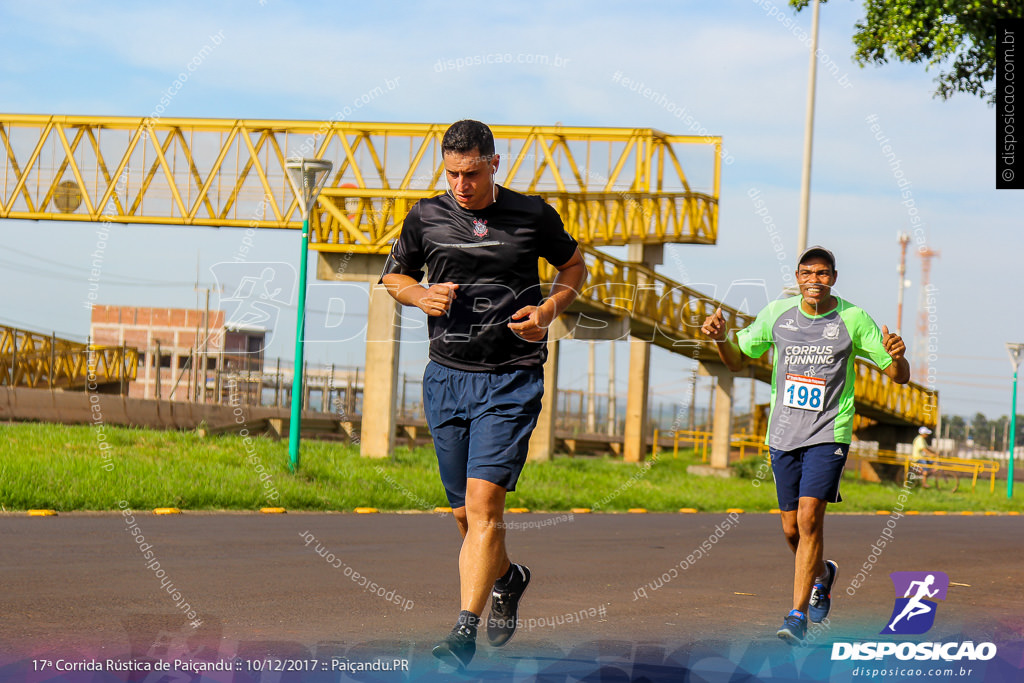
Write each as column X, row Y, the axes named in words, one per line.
column 479, row 228
column 787, row 324
column 831, row 331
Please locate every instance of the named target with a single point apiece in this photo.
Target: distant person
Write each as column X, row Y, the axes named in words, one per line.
column 816, row 337
column 921, row 454
column 482, row 387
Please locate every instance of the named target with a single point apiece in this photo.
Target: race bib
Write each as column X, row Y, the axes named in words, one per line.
column 806, row 393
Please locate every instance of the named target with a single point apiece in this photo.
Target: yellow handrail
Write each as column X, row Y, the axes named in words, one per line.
column 938, row 464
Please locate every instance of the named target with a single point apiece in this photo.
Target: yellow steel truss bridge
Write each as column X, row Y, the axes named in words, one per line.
column 30, row 359
column 613, row 186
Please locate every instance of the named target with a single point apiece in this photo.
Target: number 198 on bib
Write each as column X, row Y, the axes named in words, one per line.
column 806, row 393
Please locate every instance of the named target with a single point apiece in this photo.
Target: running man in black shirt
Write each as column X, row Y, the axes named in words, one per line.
column 487, row 322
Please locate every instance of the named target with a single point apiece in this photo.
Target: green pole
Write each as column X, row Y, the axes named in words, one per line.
column 300, row 332
column 1013, row 437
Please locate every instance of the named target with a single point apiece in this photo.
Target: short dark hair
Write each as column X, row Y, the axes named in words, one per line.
column 465, row 136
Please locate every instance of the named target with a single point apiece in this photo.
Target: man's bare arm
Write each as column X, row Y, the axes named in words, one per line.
column 531, row 322
column 434, row 300
column 728, row 350
column 899, row 370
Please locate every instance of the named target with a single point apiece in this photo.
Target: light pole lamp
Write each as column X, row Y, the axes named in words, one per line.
column 1015, row 354
column 307, row 177
column 805, row 181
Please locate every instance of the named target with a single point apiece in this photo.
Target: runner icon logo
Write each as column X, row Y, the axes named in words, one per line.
column 914, row 612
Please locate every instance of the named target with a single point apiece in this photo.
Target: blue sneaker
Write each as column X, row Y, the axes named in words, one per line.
column 794, row 628
column 821, row 594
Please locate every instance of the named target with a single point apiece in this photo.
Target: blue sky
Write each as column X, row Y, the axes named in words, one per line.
column 738, row 66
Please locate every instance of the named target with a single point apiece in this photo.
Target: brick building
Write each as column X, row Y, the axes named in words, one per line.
column 181, row 342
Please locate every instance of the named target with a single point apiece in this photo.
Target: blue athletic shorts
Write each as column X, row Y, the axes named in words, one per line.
column 481, row 424
column 811, row 471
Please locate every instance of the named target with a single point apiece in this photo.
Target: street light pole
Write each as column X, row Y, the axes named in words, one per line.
column 903, row 238
column 1015, row 354
column 805, row 184
column 307, row 177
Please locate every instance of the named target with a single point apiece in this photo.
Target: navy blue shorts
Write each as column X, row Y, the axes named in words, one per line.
column 811, row 472
column 481, row 424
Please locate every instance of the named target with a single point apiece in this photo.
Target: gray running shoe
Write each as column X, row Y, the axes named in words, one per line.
column 457, row 649
column 504, row 616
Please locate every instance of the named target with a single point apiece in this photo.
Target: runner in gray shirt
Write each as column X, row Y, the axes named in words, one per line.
column 816, row 336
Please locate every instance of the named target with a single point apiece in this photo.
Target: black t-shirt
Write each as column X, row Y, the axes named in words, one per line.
column 492, row 255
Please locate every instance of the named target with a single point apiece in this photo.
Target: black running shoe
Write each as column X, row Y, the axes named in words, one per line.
column 794, row 628
column 821, row 594
column 504, row 616
column 458, row 647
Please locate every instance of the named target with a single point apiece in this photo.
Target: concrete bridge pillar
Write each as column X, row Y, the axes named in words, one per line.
column 570, row 325
column 542, row 441
column 721, row 435
column 634, row 447
column 887, row 435
column 383, row 335
column 380, row 387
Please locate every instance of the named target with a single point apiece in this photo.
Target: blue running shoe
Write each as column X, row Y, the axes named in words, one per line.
column 821, row 594
column 794, row 628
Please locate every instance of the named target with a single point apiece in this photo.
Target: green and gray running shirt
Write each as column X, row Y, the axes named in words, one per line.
column 813, row 369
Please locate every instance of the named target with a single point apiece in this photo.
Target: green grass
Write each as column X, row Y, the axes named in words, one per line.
column 62, row 468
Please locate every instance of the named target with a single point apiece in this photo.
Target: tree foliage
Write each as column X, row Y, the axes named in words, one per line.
column 985, row 433
column 958, row 36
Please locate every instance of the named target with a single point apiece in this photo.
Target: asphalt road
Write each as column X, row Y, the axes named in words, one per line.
column 632, row 596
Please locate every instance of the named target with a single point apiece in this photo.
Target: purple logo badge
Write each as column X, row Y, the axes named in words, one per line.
column 916, row 593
